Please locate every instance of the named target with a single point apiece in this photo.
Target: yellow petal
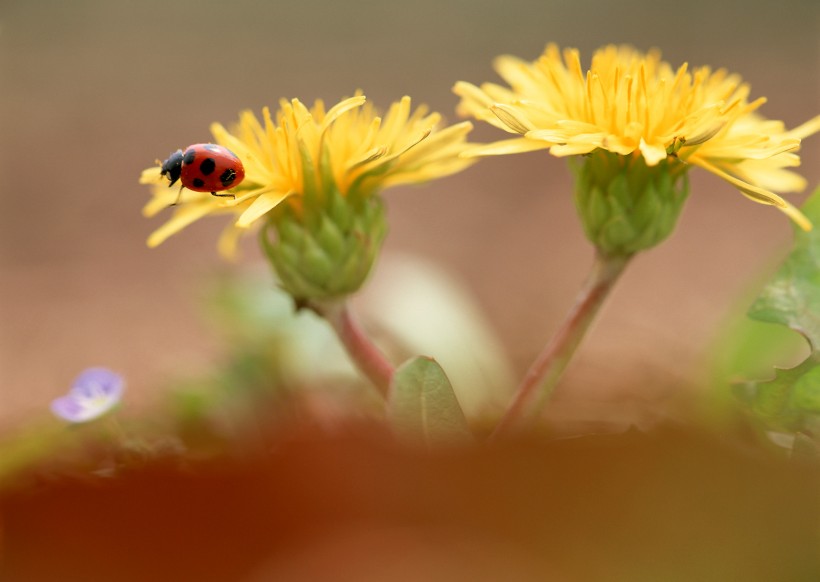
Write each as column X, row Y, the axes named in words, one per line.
column 223, row 137
column 553, row 136
column 263, row 204
column 510, row 146
column 472, row 93
column 512, row 118
column 152, row 176
column 183, row 217
column 653, row 154
column 811, row 127
column 757, row 194
column 572, row 149
column 769, row 176
column 159, row 202
column 229, row 241
column 165, row 197
column 798, row 217
column 340, row 108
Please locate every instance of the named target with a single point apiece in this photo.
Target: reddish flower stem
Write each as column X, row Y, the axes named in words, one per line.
column 368, row 358
column 546, row 371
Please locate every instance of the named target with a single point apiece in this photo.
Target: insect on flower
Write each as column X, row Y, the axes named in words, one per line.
column 204, row 167
column 298, row 152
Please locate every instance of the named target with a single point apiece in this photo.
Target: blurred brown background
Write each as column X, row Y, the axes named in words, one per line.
column 94, row 91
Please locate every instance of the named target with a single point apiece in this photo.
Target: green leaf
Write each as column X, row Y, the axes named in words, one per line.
column 792, row 298
column 422, row 406
column 791, row 400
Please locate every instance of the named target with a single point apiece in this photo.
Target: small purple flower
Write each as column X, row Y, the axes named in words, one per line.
column 95, row 392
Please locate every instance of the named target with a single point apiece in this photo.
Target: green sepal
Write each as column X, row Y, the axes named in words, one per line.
column 626, row 206
column 326, row 248
column 309, row 185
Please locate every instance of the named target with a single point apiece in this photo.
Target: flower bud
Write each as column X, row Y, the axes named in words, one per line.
column 324, row 247
column 625, row 205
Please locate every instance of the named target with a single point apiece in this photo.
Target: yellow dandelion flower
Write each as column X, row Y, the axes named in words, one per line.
column 630, row 103
column 348, row 148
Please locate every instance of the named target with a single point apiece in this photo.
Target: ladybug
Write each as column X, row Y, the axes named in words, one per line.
column 204, row 167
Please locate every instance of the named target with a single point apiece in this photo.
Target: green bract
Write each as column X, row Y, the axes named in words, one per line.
column 626, row 206
column 325, row 248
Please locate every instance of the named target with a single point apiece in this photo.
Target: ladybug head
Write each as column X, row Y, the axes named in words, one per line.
column 172, row 167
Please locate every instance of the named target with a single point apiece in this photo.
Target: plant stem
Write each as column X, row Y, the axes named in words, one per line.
column 545, row 372
column 368, row 358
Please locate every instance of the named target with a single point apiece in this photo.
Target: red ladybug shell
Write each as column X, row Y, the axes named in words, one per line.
column 208, row 167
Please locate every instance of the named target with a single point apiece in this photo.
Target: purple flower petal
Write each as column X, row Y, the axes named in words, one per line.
column 67, row 408
column 94, row 381
column 95, row 392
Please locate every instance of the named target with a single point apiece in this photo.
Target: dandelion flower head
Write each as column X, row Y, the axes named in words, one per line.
column 299, row 151
column 631, row 103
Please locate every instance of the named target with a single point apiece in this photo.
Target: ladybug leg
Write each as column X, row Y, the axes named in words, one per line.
column 224, row 195
column 179, row 195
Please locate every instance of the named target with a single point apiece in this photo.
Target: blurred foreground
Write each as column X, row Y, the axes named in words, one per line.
column 355, row 505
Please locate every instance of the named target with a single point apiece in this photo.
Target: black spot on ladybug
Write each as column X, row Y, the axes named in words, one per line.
column 198, row 183
column 207, row 166
column 227, row 177
column 212, row 148
column 190, row 154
